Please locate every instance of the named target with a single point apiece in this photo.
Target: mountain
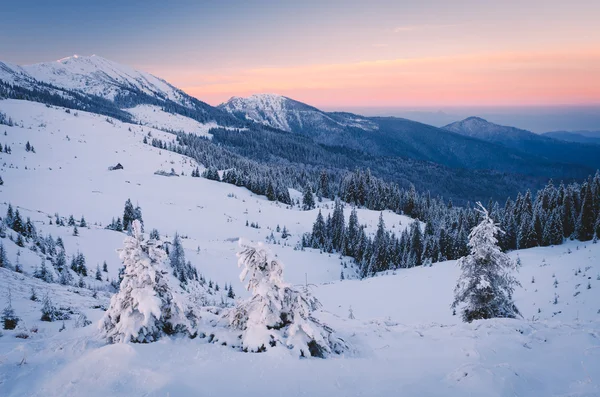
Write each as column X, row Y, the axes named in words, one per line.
column 394, row 137
column 94, row 75
column 290, row 115
column 575, row 136
column 528, row 143
column 97, row 84
column 289, row 137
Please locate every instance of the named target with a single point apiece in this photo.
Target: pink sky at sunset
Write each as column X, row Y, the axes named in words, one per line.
column 500, row 78
column 336, row 53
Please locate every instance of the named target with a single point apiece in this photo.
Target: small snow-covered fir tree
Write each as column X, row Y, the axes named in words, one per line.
column 9, row 318
column 277, row 314
column 486, row 284
column 149, row 304
column 182, row 270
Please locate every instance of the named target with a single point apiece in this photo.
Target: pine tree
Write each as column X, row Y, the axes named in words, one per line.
column 277, row 314
column 308, row 201
column 585, row 223
column 44, row 273
column 128, row 214
column 149, row 304
column 318, row 232
column 98, row 273
column 9, row 318
column 49, row 312
column 182, row 270
column 338, row 227
column 230, row 293
column 486, row 284
column 323, row 185
column 4, row 262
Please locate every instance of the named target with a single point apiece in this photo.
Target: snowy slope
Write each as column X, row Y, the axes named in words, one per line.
column 81, row 147
column 405, row 340
column 290, row 115
column 93, row 75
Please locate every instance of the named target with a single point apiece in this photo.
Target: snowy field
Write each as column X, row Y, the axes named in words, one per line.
column 404, row 338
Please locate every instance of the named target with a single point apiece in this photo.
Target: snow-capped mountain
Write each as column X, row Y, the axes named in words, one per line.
column 96, row 84
column 293, row 116
column 528, row 142
column 93, row 75
column 477, row 127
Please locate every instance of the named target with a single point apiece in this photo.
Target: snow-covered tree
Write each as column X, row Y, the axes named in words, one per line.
column 486, row 284
column 44, row 273
column 182, row 270
column 9, row 318
column 308, row 200
column 277, row 314
column 149, row 304
column 4, row 262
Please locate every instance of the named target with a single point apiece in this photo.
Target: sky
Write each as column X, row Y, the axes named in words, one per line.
column 332, row 54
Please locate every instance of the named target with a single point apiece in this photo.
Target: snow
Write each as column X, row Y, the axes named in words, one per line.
column 154, row 116
column 289, row 115
column 93, row 75
column 404, row 338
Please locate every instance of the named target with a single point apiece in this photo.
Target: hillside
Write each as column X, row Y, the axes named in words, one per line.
column 103, row 86
column 575, row 136
column 406, row 139
column 397, row 150
column 404, row 337
column 528, row 143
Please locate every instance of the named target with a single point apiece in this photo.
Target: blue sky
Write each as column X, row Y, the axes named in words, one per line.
column 331, row 53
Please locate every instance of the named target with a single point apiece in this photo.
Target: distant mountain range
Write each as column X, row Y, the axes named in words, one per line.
column 472, row 143
column 575, row 136
column 471, row 159
column 527, row 142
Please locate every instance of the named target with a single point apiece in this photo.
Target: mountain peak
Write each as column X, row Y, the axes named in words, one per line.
column 475, row 118
column 290, row 115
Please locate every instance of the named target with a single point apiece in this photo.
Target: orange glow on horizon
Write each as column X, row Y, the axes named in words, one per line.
column 504, row 78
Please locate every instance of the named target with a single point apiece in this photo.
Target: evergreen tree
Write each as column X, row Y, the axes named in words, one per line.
column 98, row 273
column 4, row 262
column 277, row 314
column 230, row 293
column 486, row 284
column 585, row 223
column 323, row 190
column 9, row 318
column 318, row 232
column 182, row 270
column 49, row 312
column 308, row 200
column 149, row 304
column 338, row 227
column 44, row 273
